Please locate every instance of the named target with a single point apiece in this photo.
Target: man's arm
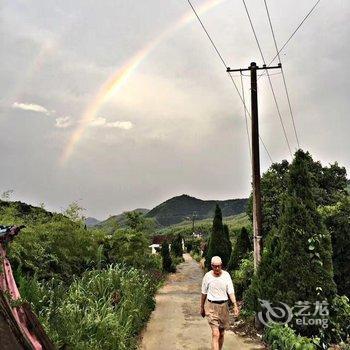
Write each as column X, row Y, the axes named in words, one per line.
column 203, row 298
column 234, row 302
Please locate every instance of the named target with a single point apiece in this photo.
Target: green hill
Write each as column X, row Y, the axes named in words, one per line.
column 180, row 208
column 25, row 213
column 204, row 227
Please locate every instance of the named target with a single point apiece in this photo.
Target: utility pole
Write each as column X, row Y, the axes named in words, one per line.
column 257, row 214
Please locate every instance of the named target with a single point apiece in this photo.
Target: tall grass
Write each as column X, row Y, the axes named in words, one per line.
column 103, row 309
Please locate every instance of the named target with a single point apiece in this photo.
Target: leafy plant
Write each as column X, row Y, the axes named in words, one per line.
column 281, row 337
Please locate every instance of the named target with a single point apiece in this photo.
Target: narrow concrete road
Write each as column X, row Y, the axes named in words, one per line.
column 175, row 324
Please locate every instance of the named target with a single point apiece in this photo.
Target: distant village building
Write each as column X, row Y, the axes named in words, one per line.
column 158, row 240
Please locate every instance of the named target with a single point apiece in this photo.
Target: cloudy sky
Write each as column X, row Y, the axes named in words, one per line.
column 119, row 104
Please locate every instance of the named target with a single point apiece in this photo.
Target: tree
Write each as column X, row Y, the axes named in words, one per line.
column 74, row 212
column 6, row 195
column 337, row 220
column 137, row 221
column 240, row 250
column 298, row 264
column 219, row 243
column 166, row 258
column 328, row 184
column 176, row 245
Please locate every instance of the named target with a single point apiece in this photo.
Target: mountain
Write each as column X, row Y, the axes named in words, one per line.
column 91, row 222
column 180, row 208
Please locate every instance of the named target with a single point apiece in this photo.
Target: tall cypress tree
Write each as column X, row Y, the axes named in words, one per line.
column 240, row 250
column 219, row 241
column 176, row 245
column 167, row 262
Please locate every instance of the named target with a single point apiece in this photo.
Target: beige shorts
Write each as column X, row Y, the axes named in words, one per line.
column 217, row 315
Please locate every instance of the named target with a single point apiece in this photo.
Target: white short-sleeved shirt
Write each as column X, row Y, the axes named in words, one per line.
column 217, row 288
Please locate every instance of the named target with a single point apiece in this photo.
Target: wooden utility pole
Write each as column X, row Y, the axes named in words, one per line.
column 257, row 214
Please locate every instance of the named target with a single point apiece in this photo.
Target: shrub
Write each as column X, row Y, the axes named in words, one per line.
column 242, row 277
column 339, row 320
column 337, row 220
column 281, row 337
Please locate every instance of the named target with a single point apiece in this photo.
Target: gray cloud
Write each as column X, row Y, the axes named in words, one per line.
column 176, row 124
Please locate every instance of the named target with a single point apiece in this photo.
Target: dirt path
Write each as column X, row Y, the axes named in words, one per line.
column 176, row 324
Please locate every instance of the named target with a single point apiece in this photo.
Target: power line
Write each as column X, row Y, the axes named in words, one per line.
column 248, row 113
column 295, row 31
column 206, row 32
column 225, row 65
column 270, row 82
column 283, row 76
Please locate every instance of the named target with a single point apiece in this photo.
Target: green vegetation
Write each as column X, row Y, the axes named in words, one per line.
column 306, row 230
column 284, row 338
column 102, row 309
column 134, row 219
column 234, row 223
column 91, row 290
column 167, row 262
column 302, row 241
column 176, row 246
column 242, row 248
column 337, row 220
column 219, row 242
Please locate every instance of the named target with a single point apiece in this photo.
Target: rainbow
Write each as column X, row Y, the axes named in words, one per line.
column 115, row 82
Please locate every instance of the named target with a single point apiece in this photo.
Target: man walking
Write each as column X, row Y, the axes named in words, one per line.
column 216, row 287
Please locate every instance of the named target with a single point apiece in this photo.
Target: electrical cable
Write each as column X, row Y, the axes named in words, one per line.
column 282, row 71
column 225, row 65
column 295, row 31
column 270, row 82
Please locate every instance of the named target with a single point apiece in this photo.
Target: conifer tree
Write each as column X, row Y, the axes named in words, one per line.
column 166, row 258
column 176, row 245
column 297, row 262
column 240, row 250
column 219, row 243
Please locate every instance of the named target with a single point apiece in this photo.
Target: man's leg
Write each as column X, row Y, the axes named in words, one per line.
column 215, row 336
column 221, row 337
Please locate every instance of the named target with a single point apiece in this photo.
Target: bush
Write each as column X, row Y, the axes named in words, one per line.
column 337, row 220
column 339, row 320
column 59, row 248
column 242, row 277
column 281, row 337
